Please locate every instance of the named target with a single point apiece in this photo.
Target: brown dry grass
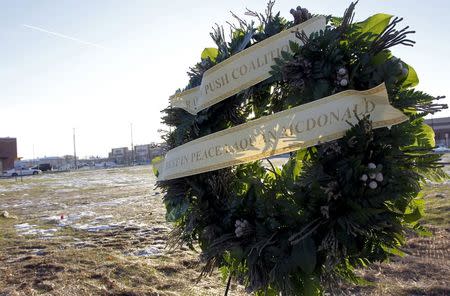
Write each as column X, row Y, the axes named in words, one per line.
column 425, row 269
column 79, row 262
column 75, row 261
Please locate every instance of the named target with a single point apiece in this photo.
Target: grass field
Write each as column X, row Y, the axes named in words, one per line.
column 103, row 233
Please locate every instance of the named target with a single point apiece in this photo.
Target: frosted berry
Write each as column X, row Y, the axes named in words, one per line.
column 343, row 82
column 342, row 71
column 379, row 177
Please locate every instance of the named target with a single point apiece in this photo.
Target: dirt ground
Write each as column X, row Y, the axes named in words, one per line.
column 103, row 232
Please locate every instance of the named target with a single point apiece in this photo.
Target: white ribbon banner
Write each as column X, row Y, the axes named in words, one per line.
column 242, row 70
column 304, row 126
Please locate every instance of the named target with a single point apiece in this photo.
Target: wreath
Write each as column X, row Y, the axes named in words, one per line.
column 301, row 228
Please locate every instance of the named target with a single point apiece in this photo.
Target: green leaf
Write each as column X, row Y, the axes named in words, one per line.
column 224, row 273
column 156, row 162
column 428, row 133
column 381, row 57
column 210, row 53
column 311, row 286
column 286, row 55
column 239, row 33
column 336, row 21
column 422, row 231
column 413, row 217
column 375, row 24
column 300, row 155
column 237, row 252
column 177, row 212
column 393, row 251
column 415, row 210
column 267, row 292
column 321, row 88
column 412, row 79
column 294, row 46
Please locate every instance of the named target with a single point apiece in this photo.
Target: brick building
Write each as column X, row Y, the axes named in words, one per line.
column 8, row 153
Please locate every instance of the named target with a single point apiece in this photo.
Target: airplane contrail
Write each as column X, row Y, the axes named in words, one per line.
column 64, row 36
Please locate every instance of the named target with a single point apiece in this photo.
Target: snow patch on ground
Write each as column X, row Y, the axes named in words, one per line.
column 30, row 229
column 148, row 252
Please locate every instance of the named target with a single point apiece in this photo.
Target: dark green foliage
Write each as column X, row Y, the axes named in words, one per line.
column 316, row 219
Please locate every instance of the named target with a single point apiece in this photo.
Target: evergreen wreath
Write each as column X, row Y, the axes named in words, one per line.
column 334, row 207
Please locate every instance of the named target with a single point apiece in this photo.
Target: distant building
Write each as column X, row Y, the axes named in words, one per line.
column 120, row 155
column 142, row 154
column 441, row 127
column 8, row 153
column 145, row 153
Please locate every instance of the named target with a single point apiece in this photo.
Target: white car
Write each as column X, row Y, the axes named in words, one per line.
column 21, row 172
column 441, row 149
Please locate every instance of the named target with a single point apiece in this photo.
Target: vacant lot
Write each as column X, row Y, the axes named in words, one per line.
column 103, row 233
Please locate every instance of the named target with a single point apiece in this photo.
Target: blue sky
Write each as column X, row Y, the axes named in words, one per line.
column 99, row 65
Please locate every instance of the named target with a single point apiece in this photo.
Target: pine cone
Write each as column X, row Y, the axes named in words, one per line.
column 242, row 228
column 331, row 148
column 300, row 15
column 305, row 14
column 295, row 72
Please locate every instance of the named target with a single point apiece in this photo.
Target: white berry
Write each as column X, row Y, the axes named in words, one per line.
column 379, row 177
column 364, row 178
column 373, row 185
column 371, row 166
column 344, row 82
column 342, row 71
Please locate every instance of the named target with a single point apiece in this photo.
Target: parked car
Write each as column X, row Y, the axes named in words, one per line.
column 21, row 172
column 43, row 167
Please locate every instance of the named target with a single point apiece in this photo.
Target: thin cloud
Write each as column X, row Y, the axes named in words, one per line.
column 64, row 36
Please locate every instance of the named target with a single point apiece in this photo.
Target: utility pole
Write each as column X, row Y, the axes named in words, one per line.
column 74, row 150
column 34, row 159
column 132, row 146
